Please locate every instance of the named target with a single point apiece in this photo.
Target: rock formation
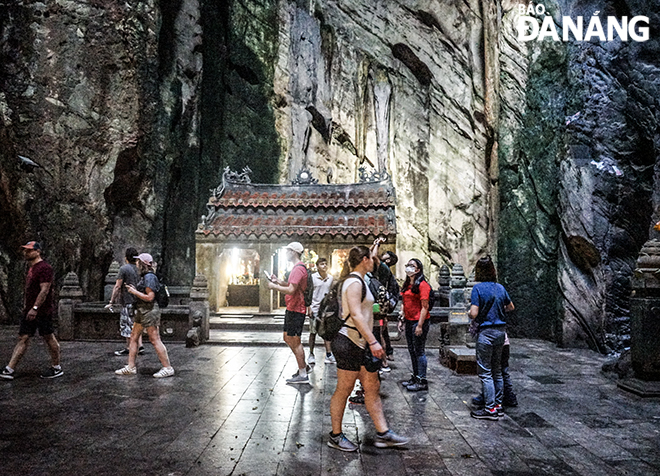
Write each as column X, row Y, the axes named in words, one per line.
column 494, row 145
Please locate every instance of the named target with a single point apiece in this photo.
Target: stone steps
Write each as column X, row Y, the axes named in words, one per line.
column 266, row 330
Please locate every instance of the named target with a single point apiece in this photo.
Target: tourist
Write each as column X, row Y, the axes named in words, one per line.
column 147, row 316
column 128, row 275
column 294, row 316
column 489, row 303
column 509, row 398
column 322, row 284
column 387, row 279
column 415, row 321
column 358, row 354
column 37, row 313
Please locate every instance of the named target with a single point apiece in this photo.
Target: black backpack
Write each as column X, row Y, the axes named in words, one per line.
column 330, row 311
column 162, row 294
column 308, row 292
column 381, row 295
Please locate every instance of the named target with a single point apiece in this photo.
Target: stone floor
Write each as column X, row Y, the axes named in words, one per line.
column 228, row 412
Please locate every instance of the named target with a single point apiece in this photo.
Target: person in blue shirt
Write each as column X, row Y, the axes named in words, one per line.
column 489, row 304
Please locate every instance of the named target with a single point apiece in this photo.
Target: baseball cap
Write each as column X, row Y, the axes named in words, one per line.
column 32, row 245
column 295, row 246
column 145, row 258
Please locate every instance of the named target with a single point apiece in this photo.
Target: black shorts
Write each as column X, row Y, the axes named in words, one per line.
column 43, row 323
column 294, row 323
column 349, row 356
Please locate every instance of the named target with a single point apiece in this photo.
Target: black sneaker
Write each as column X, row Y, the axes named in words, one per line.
column 52, row 373
column 141, row 350
column 484, row 414
column 357, row 399
column 478, row 401
column 420, row 386
column 510, row 402
column 6, row 374
column 121, row 352
column 411, row 381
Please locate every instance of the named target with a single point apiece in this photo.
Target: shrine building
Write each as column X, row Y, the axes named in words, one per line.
column 243, row 235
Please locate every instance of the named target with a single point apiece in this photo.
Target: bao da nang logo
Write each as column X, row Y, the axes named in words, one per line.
column 579, row 29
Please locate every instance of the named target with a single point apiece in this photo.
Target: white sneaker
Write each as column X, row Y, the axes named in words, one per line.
column 330, row 359
column 164, row 372
column 311, row 360
column 126, row 371
column 298, row 379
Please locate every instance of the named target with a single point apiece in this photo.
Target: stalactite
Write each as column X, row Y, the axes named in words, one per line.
column 382, row 90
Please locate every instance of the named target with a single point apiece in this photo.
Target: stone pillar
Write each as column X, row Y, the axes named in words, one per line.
column 444, row 280
column 458, row 317
column 265, row 266
column 110, row 280
column 458, row 282
column 199, row 304
column 70, row 294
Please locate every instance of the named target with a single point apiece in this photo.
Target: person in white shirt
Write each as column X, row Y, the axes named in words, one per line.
column 322, row 284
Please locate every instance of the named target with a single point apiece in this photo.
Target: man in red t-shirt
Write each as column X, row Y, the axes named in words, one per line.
column 294, row 317
column 37, row 313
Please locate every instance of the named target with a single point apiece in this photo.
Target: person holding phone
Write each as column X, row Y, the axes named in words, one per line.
column 294, row 316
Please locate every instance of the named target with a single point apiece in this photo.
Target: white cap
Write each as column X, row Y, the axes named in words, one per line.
column 295, row 246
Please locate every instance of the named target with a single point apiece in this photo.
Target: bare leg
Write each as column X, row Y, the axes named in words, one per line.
column 371, row 386
column 312, row 342
column 345, row 383
column 136, row 335
column 161, row 351
column 19, row 350
column 53, row 348
column 296, row 347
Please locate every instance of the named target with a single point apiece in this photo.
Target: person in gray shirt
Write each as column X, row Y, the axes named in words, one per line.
column 128, row 275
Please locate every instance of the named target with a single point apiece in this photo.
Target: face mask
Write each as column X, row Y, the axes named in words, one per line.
column 410, row 271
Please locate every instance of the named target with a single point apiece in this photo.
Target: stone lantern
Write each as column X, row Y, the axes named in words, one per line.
column 645, row 323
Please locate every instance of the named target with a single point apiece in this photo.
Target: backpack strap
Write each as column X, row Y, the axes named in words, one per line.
column 364, row 295
column 306, row 271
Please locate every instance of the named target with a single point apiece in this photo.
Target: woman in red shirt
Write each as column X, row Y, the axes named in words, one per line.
column 415, row 299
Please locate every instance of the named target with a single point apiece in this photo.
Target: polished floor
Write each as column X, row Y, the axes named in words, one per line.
column 228, row 411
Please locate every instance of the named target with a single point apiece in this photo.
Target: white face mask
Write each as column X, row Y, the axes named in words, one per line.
column 410, row 271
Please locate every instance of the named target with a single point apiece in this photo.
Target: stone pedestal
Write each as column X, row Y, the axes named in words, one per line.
column 110, row 280
column 645, row 323
column 70, row 294
column 199, row 305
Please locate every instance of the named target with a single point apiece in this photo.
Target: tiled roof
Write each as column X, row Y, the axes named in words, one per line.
column 245, row 209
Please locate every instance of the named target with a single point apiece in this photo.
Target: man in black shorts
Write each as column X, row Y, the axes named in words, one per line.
column 37, row 313
column 294, row 317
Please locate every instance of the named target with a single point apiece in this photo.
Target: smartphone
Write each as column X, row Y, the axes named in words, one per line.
column 268, row 276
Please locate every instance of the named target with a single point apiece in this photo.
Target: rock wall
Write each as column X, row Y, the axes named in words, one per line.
column 495, row 146
column 578, row 167
column 395, row 87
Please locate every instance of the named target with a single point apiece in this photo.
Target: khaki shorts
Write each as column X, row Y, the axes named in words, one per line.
column 147, row 316
column 313, row 324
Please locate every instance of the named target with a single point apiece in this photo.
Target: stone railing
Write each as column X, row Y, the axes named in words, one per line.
column 186, row 318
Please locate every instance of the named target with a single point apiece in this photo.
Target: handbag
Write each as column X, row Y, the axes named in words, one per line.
column 371, row 363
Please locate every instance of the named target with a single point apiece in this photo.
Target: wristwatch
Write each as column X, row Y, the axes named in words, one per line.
column 35, row 308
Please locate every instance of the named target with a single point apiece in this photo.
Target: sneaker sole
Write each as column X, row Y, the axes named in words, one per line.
column 388, row 444
column 7, row 377
column 485, row 417
column 52, row 376
column 337, row 447
column 298, row 382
